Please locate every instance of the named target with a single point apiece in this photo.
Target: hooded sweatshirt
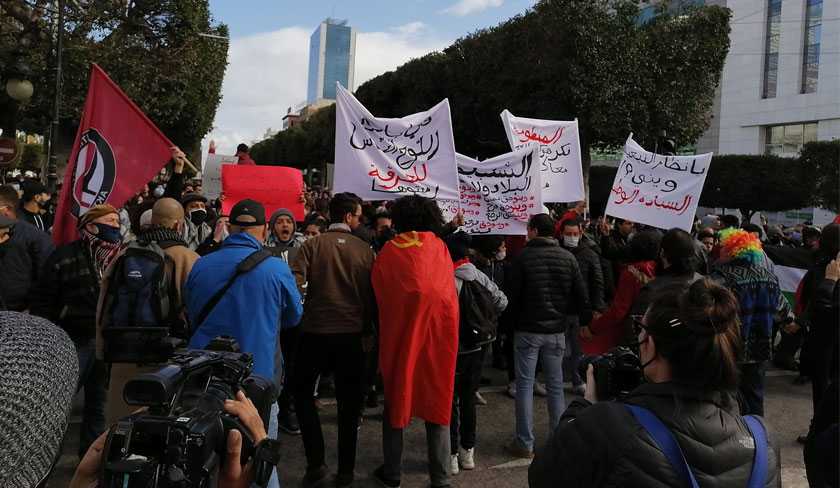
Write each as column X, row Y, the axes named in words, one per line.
column 468, row 272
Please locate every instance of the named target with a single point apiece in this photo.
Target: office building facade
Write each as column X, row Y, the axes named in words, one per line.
column 332, row 56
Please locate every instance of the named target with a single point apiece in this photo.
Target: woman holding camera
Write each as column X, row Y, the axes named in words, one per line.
column 689, row 342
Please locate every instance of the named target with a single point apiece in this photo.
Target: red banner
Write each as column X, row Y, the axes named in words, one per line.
column 273, row 186
column 117, row 150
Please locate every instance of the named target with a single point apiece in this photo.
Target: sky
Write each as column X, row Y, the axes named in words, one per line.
column 269, row 49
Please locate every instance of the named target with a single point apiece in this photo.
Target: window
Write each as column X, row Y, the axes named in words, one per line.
column 811, row 53
column 771, row 48
column 337, row 64
column 787, row 140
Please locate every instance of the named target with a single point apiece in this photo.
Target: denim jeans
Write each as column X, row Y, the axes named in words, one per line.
column 528, row 348
column 274, row 481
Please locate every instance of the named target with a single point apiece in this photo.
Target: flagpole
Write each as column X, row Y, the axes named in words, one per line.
column 52, row 166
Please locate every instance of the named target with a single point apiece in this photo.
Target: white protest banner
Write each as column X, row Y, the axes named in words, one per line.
column 384, row 159
column 211, row 177
column 559, row 152
column 660, row 191
column 498, row 195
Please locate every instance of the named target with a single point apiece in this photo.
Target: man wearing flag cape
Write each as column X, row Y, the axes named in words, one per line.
column 418, row 341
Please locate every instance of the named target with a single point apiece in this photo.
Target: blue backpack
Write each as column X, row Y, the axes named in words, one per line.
column 666, row 442
column 139, row 305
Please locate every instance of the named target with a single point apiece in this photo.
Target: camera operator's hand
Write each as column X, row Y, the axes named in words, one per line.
column 245, row 411
column 87, row 473
column 233, row 474
column 590, row 394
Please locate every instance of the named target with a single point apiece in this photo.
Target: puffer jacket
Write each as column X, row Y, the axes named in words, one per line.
column 21, row 259
column 591, row 271
column 546, row 290
column 603, row 445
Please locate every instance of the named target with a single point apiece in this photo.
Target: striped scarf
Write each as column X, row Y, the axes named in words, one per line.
column 102, row 252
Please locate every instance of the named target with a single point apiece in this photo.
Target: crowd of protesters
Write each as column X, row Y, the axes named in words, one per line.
column 385, row 301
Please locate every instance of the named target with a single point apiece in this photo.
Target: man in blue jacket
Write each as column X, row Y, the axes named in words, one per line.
column 258, row 303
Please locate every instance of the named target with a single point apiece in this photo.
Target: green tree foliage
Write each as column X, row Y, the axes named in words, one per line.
column 563, row 59
column 822, row 163
column 151, row 49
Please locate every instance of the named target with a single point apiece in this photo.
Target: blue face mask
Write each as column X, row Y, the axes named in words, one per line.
column 108, row 233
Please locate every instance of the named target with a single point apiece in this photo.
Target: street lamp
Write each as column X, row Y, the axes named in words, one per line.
column 20, row 90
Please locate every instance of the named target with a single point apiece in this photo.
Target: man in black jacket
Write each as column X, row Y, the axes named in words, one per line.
column 22, row 256
column 576, row 242
column 547, row 293
column 67, row 294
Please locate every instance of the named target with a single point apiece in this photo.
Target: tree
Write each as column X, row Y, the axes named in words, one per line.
column 151, row 49
column 821, row 161
column 752, row 183
column 563, row 59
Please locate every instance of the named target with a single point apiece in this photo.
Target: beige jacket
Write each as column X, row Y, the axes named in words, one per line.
column 183, row 259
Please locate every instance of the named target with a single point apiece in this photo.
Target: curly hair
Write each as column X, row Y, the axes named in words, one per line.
column 740, row 245
column 416, row 213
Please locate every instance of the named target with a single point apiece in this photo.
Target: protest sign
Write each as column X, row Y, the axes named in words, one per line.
column 558, row 144
column 384, row 159
column 273, row 186
column 661, row 191
column 498, row 195
column 211, row 177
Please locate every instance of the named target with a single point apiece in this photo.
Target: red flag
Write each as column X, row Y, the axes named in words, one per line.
column 274, row 186
column 117, row 150
column 418, row 327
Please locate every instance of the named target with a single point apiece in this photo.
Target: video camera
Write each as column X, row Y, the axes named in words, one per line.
column 180, row 441
column 617, row 373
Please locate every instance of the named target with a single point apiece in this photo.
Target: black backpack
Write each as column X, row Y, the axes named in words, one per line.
column 479, row 319
column 139, row 316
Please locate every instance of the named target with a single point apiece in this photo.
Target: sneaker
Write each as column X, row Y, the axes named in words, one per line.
column 480, row 399
column 344, row 480
column 539, row 389
column 379, row 476
column 314, row 477
column 453, row 464
column 287, row 423
column 467, row 458
column 517, row 451
column 511, row 390
column 579, row 389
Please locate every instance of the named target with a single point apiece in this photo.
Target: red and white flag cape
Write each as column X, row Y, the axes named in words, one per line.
column 117, row 150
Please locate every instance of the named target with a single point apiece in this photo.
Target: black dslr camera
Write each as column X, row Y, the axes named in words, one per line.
column 181, row 440
column 617, row 373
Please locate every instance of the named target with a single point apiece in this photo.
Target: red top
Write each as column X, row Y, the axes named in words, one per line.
column 609, row 327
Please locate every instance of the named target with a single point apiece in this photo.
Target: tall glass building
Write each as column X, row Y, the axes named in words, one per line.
column 332, row 55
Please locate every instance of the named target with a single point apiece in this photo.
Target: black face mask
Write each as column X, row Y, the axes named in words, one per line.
column 198, row 216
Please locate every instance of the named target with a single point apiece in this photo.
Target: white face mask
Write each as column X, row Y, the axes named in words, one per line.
column 570, row 241
column 500, row 256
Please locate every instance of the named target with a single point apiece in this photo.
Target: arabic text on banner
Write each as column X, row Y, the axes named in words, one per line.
column 558, row 144
column 661, row 191
column 384, row 159
column 211, row 177
column 498, row 195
